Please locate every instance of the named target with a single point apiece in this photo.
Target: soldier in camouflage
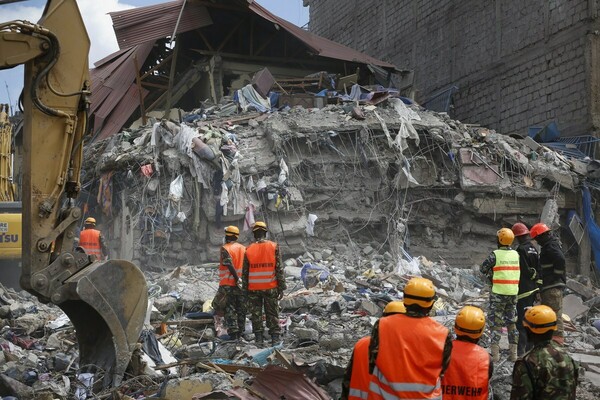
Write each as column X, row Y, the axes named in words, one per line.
column 502, row 268
column 230, row 283
column 547, row 371
column 264, row 283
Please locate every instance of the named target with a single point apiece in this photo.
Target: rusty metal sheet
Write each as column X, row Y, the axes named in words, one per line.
column 321, row 46
column 143, row 24
column 275, row 383
column 122, row 111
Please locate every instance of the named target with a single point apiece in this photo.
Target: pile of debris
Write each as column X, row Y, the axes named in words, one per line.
column 407, row 178
column 334, row 296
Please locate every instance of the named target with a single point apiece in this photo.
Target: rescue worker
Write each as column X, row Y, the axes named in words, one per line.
column 409, row 353
column 529, row 262
column 468, row 375
column 264, row 283
column 91, row 240
column 355, row 384
column 502, row 267
column 547, row 371
column 230, row 282
column 553, row 271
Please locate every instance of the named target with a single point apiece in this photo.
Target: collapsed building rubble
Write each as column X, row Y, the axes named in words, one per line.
column 360, row 198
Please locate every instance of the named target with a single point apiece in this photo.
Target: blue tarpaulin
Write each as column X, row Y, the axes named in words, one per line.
column 592, row 227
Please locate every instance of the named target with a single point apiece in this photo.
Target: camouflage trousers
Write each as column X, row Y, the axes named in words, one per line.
column 235, row 309
column 553, row 298
column 267, row 299
column 503, row 312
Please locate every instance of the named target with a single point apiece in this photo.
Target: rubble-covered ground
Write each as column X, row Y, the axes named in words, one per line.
column 359, row 198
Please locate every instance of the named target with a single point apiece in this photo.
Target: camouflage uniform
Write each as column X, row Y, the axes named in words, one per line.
column 235, row 302
column 553, row 298
column 267, row 299
column 503, row 309
column 503, row 312
column 546, row 372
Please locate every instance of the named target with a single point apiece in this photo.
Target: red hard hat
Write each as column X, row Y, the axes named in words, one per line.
column 519, row 229
column 538, row 229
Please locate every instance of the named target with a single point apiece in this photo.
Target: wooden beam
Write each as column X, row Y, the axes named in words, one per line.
column 231, row 33
column 138, row 82
column 156, row 85
column 151, row 70
column 266, row 43
column 204, row 39
column 274, row 60
column 172, row 76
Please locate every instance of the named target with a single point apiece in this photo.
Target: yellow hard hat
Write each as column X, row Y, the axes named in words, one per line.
column 90, row 220
column 419, row 291
column 540, row 319
column 232, row 231
column 469, row 322
column 505, row 236
column 394, row 307
column 259, row 225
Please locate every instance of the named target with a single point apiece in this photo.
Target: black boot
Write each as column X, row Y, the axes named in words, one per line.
column 258, row 339
column 275, row 339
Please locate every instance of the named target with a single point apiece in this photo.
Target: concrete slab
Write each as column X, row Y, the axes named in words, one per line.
column 573, row 306
column 585, row 291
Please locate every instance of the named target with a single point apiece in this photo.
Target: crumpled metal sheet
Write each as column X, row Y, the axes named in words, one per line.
column 275, row 383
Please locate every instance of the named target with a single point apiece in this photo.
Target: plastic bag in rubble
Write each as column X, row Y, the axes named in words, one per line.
column 176, row 189
column 84, row 387
column 312, row 274
column 408, row 267
column 283, row 174
column 310, row 224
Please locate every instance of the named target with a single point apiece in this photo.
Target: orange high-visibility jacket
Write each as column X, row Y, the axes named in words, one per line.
column 236, row 251
column 467, row 376
column 89, row 239
column 261, row 260
column 409, row 361
column 359, row 380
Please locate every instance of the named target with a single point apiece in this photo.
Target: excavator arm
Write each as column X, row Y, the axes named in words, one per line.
column 106, row 301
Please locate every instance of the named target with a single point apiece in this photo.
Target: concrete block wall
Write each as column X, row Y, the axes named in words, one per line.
column 516, row 63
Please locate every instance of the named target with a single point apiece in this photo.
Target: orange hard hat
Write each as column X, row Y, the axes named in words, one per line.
column 538, row 229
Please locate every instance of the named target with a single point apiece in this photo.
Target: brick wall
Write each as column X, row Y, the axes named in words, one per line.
column 517, row 63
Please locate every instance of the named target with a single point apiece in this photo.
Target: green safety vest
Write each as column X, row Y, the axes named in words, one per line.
column 506, row 273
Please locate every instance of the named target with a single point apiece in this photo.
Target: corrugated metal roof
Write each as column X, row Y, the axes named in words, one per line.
column 143, row 24
column 320, row 45
column 122, row 111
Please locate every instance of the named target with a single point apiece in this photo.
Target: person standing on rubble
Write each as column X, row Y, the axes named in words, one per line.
column 264, row 283
column 230, row 282
column 355, row 385
column 547, row 371
column 92, row 241
column 471, row 368
column 529, row 262
column 409, row 353
column 553, row 271
column 502, row 267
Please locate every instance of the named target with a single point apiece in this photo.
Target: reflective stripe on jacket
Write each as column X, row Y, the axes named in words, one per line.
column 89, row 239
column 261, row 261
column 467, row 376
column 359, row 381
column 236, row 252
column 505, row 280
column 409, row 360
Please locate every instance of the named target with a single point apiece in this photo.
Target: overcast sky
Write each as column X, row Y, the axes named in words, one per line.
column 99, row 26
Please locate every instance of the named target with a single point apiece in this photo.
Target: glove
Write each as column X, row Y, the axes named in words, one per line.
column 239, row 284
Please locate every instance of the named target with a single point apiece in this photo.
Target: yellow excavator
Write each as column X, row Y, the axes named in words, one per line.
column 105, row 300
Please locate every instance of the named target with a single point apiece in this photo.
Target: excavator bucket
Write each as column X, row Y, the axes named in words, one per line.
column 108, row 317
